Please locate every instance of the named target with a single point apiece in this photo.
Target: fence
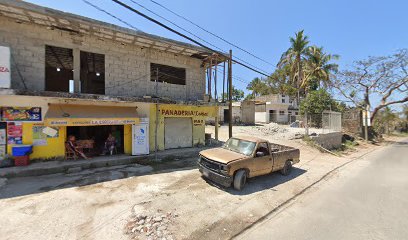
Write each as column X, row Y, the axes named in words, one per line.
column 328, row 121
column 331, row 121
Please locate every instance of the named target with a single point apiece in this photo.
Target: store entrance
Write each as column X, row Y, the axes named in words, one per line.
column 94, row 137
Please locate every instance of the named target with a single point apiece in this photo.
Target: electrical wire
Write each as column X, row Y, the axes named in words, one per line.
column 198, row 37
column 110, row 14
column 213, row 34
column 263, row 72
column 185, row 36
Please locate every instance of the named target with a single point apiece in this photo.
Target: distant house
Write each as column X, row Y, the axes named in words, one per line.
column 279, row 108
column 242, row 112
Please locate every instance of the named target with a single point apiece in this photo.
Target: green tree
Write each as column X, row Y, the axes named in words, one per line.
column 318, row 69
column 295, row 57
column 316, row 102
column 237, row 94
column 386, row 120
column 258, row 87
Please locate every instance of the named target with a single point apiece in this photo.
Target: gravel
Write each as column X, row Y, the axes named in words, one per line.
column 150, row 226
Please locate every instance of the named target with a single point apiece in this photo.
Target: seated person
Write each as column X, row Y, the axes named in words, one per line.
column 73, row 146
column 110, row 144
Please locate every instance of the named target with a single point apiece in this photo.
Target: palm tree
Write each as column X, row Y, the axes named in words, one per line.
column 318, row 67
column 257, row 86
column 295, row 56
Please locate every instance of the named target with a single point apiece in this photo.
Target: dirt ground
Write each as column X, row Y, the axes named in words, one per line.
column 98, row 204
column 271, row 131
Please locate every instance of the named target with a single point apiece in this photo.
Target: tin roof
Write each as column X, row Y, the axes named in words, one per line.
column 54, row 19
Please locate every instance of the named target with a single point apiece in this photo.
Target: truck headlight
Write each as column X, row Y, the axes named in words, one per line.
column 224, row 168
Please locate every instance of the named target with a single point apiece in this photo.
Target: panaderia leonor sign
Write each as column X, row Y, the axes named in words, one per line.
column 188, row 111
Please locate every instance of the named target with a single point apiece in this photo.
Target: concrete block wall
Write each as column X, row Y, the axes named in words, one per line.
column 329, row 140
column 127, row 67
column 248, row 112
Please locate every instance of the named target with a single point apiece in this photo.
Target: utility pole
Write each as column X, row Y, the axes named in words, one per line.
column 230, row 93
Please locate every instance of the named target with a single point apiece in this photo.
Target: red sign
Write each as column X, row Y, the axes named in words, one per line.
column 4, row 69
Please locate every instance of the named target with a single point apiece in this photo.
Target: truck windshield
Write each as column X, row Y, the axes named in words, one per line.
column 240, row 146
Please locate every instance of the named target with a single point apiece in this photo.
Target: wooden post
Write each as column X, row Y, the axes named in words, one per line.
column 230, row 93
column 223, row 84
column 215, row 80
column 216, row 126
column 77, row 70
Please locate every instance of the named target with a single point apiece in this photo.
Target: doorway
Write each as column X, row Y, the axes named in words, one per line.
column 98, row 134
column 273, row 116
column 226, row 116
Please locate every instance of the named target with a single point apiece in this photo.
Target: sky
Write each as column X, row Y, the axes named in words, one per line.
column 353, row 29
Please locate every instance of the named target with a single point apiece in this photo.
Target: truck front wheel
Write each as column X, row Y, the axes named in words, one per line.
column 287, row 168
column 240, row 179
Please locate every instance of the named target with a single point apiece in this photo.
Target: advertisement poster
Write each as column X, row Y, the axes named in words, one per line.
column 39, row 138
column 2, row 152
column 15, row 133
column 41, row 133
column 10, row 114
column 3, row 140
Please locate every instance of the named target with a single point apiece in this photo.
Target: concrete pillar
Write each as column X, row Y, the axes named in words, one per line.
column 77, row 70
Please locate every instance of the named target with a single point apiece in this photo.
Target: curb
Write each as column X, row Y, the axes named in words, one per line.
column 69, row 167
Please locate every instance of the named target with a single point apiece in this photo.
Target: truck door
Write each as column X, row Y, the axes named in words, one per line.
column 263, row 160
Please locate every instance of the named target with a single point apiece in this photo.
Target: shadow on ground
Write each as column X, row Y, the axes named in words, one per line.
column 16, row 187
column 262, row 183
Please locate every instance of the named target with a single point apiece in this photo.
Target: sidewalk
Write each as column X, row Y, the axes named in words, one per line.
column 70, row 166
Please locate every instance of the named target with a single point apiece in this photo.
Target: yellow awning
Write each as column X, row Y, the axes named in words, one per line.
column 85, row 115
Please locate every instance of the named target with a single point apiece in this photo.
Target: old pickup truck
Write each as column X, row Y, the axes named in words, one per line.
column 245, row 157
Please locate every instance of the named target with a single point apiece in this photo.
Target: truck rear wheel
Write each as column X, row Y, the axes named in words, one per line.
column 240, row 179
column 287, row 169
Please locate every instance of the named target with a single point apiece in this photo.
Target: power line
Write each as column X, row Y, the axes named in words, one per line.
column 131, row 26
column 198, row 37
column 184, row 36
column 110, row 14
column 213, row 34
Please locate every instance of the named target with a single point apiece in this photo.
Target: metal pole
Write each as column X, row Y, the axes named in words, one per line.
column 230, row 93
column 366, row 123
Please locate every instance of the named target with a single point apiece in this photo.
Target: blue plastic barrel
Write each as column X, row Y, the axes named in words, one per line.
column 21, row 150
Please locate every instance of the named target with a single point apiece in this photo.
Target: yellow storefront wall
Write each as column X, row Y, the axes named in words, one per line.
column 199, row 115
column 55, row 147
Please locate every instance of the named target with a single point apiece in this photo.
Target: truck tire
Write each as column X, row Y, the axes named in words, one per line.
column 287, row 169
column 240, row 179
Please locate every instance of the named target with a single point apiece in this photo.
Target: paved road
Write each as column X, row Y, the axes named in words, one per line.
column 367, row 199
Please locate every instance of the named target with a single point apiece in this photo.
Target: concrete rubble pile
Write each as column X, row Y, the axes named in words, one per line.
column 270, row 129
column 153, row 227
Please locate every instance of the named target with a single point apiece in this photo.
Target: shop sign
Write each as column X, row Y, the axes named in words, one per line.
column 90, row 122
column 10, row 114
column 5, row 75
column 198, row 122
column 183, row 113
column 14, row 133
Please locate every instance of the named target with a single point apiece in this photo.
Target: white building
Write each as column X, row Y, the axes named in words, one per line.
column 242, row 112
column 277, row 108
